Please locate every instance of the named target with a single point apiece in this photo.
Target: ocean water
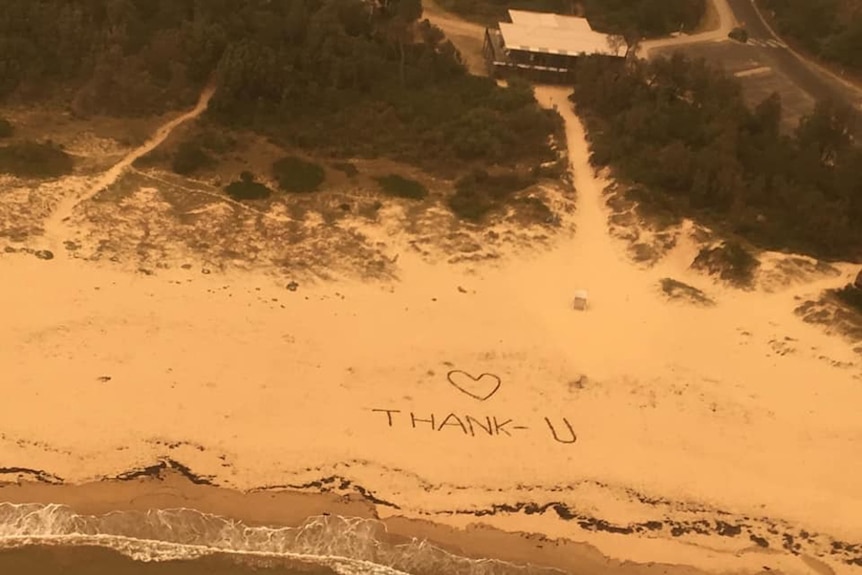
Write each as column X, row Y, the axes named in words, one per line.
column 47, row 539
column 84, row 560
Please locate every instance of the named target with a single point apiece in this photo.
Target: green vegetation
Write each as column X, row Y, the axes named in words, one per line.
column 829, row 29
column 682, row 131
column 479, row 193
column 676, row 289
column 348, row 169
column 28, row 159
column 730, row 261
column 334, row 78
column 400, row 187
column 297, row 176
column 247, row 189
column 216, row 141
column 6, row 128
column 189, row 158
column 648, row 18
column 851, row 296
column 535, row 210
column 632, row 18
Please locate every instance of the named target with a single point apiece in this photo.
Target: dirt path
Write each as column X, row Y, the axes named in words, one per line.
column 618, row 278
column 56, row 224
column 726, row 23
column 466, row 36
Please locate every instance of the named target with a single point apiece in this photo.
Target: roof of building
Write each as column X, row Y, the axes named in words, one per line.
column 567, row 40
column 547, row 20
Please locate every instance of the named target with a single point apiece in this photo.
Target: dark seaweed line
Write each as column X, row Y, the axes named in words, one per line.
column 37, row 474
column 676, row 528
column 165, row 464
column 326, row 485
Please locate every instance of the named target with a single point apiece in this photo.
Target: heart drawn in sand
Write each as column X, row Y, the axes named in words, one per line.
column 481, row 388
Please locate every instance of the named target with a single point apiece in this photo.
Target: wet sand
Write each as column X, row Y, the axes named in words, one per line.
column 190, row 522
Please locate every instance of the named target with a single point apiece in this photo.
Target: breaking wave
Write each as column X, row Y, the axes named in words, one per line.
column 347, row 545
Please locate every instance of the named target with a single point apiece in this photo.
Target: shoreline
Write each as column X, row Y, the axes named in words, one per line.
column 171, row 490
column 510, row 538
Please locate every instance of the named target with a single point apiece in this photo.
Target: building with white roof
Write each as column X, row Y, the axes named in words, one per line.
column 546, row 45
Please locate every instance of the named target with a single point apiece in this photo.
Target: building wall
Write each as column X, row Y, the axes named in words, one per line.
column 535, row 66
column 542, row 59
column 538, row 75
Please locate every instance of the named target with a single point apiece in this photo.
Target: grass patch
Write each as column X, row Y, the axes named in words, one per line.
column 730, row 261
column 247, row 189
column 297, row 176
column 400, row 187
column 6, row 128
column 479, row 193
column 29, row 159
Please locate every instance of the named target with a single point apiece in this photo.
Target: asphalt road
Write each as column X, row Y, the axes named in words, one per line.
column 765, row 64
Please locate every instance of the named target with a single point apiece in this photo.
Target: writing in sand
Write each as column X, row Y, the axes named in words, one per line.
column 481, row 388
column 471, row 426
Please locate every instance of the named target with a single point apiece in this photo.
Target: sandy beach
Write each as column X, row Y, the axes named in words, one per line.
column 644, row 430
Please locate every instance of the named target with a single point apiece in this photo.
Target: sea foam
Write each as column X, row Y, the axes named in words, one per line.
column 348, row 545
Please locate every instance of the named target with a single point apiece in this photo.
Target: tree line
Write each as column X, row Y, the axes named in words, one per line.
column 830, row 29
column 681, row 131
column 338, row 77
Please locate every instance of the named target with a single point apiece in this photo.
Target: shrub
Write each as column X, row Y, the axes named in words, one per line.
column 851, row 296
column 399, row 187
column 295, row 175
column 6, row 128
column 30, row 159
column 247, row 189
column 738, row 34
column 535, row 210
column 347, row 168
column 215, row 141
column 479, row 193
column 470, row 204
column 189, row 158
column 730, row 261
column 676, row 289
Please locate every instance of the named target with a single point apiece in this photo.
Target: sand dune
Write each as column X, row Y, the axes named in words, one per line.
column 657, row 431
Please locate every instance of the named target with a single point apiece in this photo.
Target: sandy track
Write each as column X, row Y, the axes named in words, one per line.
column 467, row 37
column 55, row 225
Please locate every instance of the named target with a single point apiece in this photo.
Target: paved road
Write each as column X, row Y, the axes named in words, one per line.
column 766, row 64
column 817, row 83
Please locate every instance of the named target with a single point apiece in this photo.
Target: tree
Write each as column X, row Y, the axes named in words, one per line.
column 827, row 130
column 399, row 19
